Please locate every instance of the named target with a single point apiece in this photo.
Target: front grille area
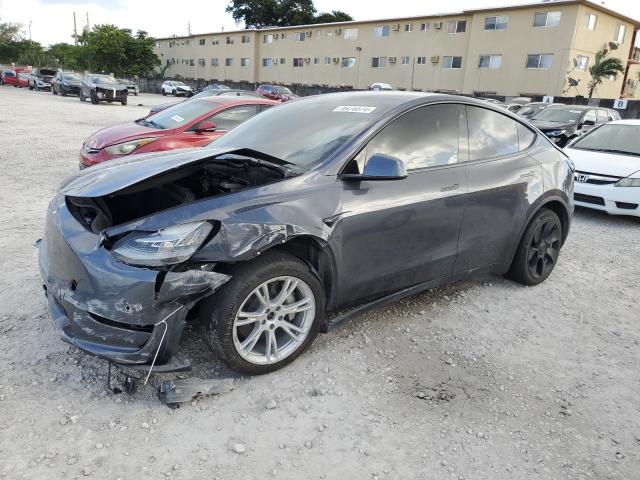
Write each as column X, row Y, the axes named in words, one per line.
column 595, row 178
column 581, row 197
column 627, row 206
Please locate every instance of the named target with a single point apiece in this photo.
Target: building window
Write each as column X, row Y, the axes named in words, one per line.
column 350, row 33
column 408, row 27
column 490, row 61
column 547, row 19
column 267, row 62
column 620, row 31
column 327, row 60
column 215, row 41
column 192, row 62
column 378, row 62
column 582, row 63
column 215, row 62
column 421, row 60
column 425, row 26
column 451, row 62
column 348, row 62
column 245, row 39
column 539, row 60
column 244, row 62
column 496, row 23
column 590, row 21
column 229, row 40
column 299, row 37
column 404, row 60
column 228, row 62
column 201, row 62
column 267, row 39
column 202, row 41
column 317, row 33
column 283, row 36
column 282, row 61
column 457, row 26
column 383, row 31
column 298, row 62
column 316, row 60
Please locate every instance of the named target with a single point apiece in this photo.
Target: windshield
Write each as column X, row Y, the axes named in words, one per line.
column 559, row 115
column 70, row 76
column 178, row 83
column 283, row 90
column 179, row 115
column 9, row 73
column 612, row 138
column 206, row 93
column 530, row 110
column 307, row 131
column 124, row 81
column 104, row 79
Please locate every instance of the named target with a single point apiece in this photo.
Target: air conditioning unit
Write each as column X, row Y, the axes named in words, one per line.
column 275, row 36
column 308, row 34
column 338, row 31
column 396, row 27
column 275, row 62
column 336, row 60
column 437, row 25
column 307, row 60
column 435, row 59
column 392, row 59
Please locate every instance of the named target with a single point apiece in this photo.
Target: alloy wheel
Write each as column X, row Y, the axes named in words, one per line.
column 544, row 249
column 274, row 320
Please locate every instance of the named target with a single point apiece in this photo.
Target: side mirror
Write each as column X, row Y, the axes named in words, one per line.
column 588, row 123
column 380, row 167
column 205, row 126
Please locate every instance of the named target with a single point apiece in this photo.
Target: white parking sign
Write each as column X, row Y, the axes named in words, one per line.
column 620, row 104
column 547, row 99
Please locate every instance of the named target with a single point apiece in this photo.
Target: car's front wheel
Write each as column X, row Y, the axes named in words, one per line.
column 266, row 315
column 539, row 248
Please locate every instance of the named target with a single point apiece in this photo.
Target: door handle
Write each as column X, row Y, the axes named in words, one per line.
column 528, row 174
column 449, row 188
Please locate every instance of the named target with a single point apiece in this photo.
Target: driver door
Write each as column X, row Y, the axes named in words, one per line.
column 399, row 233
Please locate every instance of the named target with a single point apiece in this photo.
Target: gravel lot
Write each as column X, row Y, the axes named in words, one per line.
column 478, row 380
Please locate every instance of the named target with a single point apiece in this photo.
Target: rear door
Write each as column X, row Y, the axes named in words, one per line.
column 400, row 233
column 503, row 181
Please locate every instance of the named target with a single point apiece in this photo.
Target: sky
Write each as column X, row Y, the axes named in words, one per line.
column 52, row 20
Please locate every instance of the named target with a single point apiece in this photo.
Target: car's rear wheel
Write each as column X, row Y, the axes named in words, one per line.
column 164, row 93
column 174, row 93
column 94, row 98
column 266, row 315
column 539, row 248
column 123, row 102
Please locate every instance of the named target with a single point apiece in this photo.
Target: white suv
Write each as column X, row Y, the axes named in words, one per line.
column 176, row 88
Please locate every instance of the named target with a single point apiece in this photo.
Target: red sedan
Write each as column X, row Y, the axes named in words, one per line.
column 193, row 123
column 9, row 77
column 23, row 80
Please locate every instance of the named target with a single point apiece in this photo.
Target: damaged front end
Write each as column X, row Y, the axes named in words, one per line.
column 121, row 291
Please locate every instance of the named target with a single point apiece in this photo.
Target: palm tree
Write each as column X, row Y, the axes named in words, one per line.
column 604, row 66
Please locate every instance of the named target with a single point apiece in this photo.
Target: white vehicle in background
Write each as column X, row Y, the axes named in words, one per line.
column 380, row 87
column 607, row 161
column 175, row 88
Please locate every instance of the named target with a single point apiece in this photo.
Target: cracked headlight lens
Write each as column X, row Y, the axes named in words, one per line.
column 162, row 248
column 126, row 148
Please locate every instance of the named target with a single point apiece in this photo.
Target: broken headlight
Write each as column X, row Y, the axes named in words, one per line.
column 165, row 247
column 126, row 148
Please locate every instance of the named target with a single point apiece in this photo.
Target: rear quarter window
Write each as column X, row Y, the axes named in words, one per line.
column 491, row 134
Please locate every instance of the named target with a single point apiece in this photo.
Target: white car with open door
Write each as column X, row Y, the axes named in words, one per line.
column 607, row 162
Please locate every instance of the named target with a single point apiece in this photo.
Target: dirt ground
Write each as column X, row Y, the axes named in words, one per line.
column 483, row 379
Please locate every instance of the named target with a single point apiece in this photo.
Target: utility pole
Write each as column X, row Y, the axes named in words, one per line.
column 75, row 30
column 189, row 28
column 30, row 22
column 88, row 27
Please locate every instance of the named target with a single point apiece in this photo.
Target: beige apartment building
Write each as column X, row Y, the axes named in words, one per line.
column 532, row 49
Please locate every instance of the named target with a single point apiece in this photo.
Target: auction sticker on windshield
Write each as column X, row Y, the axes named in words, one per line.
column 354, row 109
column 177, row 119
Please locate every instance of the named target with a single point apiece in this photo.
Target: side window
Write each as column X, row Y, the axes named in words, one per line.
column 525, row 137
column 602, row 116
column 590, row 116
column 232, row 117
column 491, row 134
column 424, row 137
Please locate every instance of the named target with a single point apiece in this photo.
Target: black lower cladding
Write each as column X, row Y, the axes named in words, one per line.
column 104, row 307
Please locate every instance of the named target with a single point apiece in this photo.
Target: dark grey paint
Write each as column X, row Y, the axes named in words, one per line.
column 375, row 238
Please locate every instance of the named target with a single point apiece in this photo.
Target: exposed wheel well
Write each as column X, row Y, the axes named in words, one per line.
column 559, row 209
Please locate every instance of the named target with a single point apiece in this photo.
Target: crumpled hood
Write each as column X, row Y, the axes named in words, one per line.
column 109, row 177
column 604, row 163
column 121, row 133
column 547, row 126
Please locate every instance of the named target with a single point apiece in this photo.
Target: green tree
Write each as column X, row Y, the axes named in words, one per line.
column 29, row 53
column 280, row 13
column 603, row 67
column 141, row 60
column 65, row 55
column 10, row 35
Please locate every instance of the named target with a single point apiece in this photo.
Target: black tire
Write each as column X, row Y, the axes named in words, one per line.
column 174, row 93
column 217, row 313
column 123, row 102
column 164, row 94
column 538, row 251
column 94, row 98
column 53, row 90
column 63, row 92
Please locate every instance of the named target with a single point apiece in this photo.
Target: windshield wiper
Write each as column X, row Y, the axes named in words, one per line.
column 149, row 123
column 610, row 150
